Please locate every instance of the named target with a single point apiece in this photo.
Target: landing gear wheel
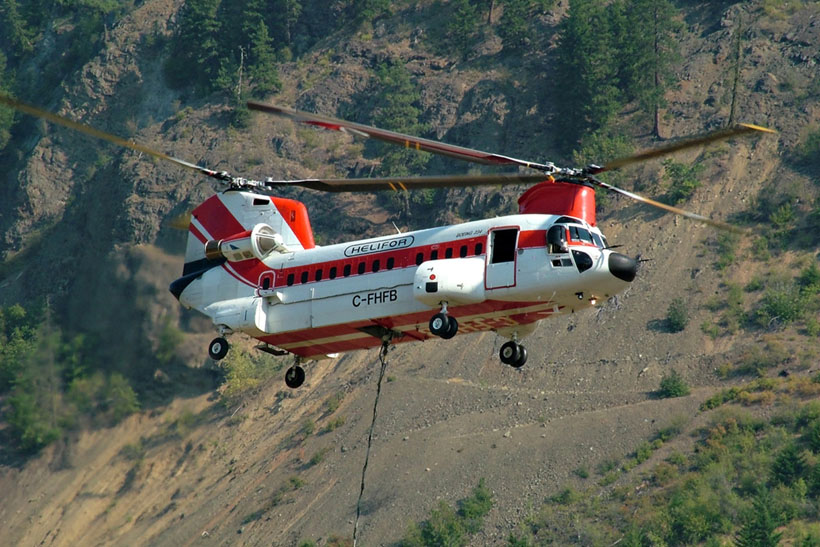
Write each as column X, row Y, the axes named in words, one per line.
column 510, row 353
column 522, row 358
column 452, row 329
column 440, row 324
column 295, row 376
column 218, row 348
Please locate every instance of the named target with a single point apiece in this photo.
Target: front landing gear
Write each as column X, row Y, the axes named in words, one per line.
column 218, row 348
column 295, row 377
column 443, row 325
column 514, row 354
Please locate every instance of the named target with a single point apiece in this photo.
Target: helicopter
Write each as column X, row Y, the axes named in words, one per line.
column 253, row 267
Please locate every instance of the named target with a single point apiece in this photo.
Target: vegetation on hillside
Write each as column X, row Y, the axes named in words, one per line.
column 746, row 481
column 48, row 385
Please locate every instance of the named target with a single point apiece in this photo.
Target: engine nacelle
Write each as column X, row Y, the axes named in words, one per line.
column 257, row 243
column 453, row 280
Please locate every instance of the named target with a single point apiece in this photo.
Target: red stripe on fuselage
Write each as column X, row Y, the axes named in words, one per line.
column 319, row 341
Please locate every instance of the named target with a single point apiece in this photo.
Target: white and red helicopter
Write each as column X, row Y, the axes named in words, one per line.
column 252, row 266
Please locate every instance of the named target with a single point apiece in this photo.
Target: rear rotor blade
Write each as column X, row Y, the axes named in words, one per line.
column 400, row 139
column 407, row 183
column 88, row 130
column 723, row 134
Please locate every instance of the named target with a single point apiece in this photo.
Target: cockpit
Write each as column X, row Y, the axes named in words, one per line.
column 570, row 231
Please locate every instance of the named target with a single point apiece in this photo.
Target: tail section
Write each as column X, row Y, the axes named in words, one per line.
column 227, row 215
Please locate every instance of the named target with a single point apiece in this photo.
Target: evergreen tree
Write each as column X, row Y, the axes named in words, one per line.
column 789, row 464
column 463, row 25
column 282, row 17
column 262, row 61
column 17, row 38
column 586, row 70
column 647, row 52
column 396, row 110
column 6, row 114
column 196, row 56
column 759, row 526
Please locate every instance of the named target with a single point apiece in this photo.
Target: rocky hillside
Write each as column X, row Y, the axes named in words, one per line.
column 87, row 228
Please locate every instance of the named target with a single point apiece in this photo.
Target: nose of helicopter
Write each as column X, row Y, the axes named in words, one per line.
column 623, row 267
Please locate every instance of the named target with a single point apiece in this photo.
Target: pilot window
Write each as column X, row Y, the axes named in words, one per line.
column 557, row 239
column 503, row 245
column 577, row 233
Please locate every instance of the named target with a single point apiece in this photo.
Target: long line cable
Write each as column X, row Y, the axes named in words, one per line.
column 383, row 359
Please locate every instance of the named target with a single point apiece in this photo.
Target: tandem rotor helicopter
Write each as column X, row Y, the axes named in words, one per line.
column 252, row 266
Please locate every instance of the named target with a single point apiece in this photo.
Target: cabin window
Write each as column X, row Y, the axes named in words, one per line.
column 448, row 252
column 266, row 283
column 375, row 266
column 304, row 276
column 318, row 275
column 360, row 268
column 463, row 251
column 479, row 248
column 434, row 255
column 419, row 258
column 346, row 270
column 332, row 273
column 291, row 279
column 390, row 263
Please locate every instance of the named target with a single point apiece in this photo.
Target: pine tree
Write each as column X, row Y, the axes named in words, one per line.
column 587, row 70
column 759, row 526
column 789, row 464
column 648, row 52
column 262, row 61
column 196, row 55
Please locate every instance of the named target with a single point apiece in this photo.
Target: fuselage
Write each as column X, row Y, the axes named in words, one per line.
column 499, row 274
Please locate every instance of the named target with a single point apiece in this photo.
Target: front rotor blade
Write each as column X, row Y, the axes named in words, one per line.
column 400, row 139
column 723, row 134
column 407, row 183
column 665, row 207
column 88, row 130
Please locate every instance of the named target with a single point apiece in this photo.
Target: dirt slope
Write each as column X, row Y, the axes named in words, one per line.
column 192, row 472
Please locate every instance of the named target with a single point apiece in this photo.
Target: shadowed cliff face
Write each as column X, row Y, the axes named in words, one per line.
column 91, row 226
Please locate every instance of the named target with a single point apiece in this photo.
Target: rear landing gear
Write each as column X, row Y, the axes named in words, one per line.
column 295, row 376
column 514, row 354
column 218, row 348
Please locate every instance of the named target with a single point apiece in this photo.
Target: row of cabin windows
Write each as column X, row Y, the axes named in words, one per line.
column 375, row 266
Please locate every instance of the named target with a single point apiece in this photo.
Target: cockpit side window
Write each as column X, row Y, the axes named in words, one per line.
column 576, row 233
column 598, row 241
column 557, row 239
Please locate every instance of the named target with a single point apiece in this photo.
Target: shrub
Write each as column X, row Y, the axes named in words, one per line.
column 677, row 316
column 673, row 385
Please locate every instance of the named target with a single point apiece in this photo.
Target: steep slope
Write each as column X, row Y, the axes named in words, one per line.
column 190, row 470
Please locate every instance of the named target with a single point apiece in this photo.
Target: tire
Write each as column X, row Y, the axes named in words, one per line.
column 509, row 353
column 218, row 348
column 452, row 329
column 295, row 377
column 440, row 324
column 522, row 358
